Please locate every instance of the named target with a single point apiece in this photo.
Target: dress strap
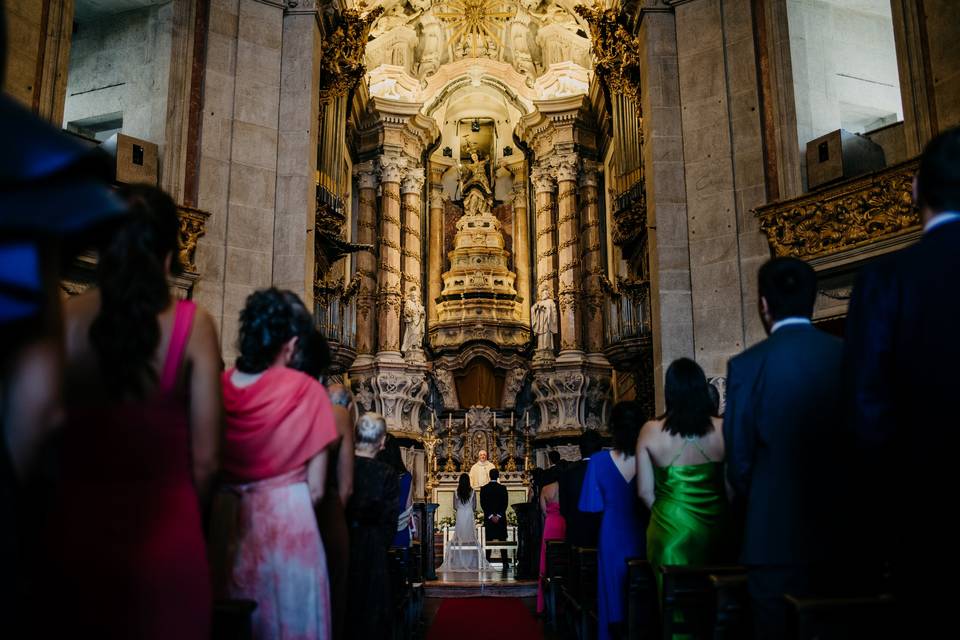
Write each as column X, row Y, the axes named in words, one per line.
column 182, row 321
column 680, row 453
column 687, row 440
column 696, row 443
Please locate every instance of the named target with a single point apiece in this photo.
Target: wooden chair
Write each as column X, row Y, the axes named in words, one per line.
column 642, row 611
column 732, row 619
column 842, row 618
column 557, row 568
column 688, row 598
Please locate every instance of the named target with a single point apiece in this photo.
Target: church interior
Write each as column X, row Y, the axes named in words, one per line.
column 506, row 216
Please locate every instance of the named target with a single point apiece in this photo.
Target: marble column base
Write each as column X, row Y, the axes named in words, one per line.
column 394, row 388
column 573, row 394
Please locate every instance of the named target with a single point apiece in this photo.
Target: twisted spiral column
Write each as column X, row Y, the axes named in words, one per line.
column 389, row 295
column 368, row 177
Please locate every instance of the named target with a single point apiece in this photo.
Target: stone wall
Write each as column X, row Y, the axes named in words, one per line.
column 844, row 68
column 943, row 33
column 121, row 64
column 38, row 48
column 723, row 170
column 258, row 156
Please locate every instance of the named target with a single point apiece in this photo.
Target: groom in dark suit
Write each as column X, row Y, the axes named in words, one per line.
column 901, row 365
column 783, row 399
column 493, row 501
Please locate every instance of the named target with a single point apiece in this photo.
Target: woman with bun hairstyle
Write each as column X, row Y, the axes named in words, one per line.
column 265, row 543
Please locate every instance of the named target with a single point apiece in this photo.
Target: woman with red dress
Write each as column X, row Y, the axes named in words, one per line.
column 139, row 449
column 265, row 543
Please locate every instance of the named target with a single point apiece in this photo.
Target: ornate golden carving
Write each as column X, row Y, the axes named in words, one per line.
column 328, row 243
column 843, row 217
column 193, row 225
column 630, row 223
column 616, row 52
column 342, row 51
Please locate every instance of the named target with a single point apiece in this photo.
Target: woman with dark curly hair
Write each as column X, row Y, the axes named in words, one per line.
column 265, row 543
column 140, row 446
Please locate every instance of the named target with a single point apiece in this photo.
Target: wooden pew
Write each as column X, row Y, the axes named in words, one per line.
column 400, row 594
column 688, row 599
column 233, row 619
column 842, row 618
column 558, row 562
column 732, row 618
column 579, row 594
column 643, row 614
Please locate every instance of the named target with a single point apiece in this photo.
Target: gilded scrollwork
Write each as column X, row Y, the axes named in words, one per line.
column 193, row 225
column 616, row 51
column 843, row 217
column 342, row 52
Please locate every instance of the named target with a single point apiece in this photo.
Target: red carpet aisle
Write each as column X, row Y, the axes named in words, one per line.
column 482, row 619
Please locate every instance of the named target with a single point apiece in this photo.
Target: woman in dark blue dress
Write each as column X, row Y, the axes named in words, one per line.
column 610, row 487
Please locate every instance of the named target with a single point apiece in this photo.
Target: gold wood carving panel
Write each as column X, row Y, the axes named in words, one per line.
column 193, row 225
column 843, row 217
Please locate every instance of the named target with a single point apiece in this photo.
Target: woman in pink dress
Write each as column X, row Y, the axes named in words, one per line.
column 265, row 543
column 554, row 528
column 125, row 546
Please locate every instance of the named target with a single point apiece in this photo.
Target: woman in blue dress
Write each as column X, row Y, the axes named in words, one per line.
column 610, row 487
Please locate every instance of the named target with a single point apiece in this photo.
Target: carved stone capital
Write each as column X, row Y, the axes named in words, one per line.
column 542, row 178
column 567, row 167
column 367, row 174
column 437, row 199
column 413, row 180
column 392, row 167
column 590, row 174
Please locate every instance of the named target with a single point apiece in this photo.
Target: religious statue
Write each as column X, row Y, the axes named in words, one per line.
column 477, row 175
column 414, row 316
column 480, row 471
column 543, row 317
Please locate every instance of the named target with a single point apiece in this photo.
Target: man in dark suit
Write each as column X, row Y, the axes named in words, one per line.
column 783, row 399
column 493, row 501
column 903, row 349
column 583, row 529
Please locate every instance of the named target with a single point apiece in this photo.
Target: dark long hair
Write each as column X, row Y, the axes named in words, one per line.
column 133, row 289
column 463, row 488
column 269, row 319
column 687, row 398
column 313, row 355
column 626, row 418
column 392, row 455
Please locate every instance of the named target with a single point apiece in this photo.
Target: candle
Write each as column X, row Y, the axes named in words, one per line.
column 449, row 421
column 494, row 422
column 511, row 420
column 433, row 420
column 526, row 415
column 466, row 421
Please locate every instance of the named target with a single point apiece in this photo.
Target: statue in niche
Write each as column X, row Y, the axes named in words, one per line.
column 544, row 320
column 477, row 174
column 414, row 317
column 476, row 203
column 390, row 20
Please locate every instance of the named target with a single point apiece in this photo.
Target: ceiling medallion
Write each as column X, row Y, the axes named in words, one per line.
column 474, row 21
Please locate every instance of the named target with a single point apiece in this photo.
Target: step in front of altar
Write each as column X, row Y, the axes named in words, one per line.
column 473, row 584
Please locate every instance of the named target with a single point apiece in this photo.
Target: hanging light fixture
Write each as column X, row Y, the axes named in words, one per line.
column 475, row 127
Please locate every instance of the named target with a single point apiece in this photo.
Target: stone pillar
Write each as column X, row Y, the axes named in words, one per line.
column 389, row 298
column 543, row 186
column 521, row 242
column 592, row 256
column 410, row 190
column 366, row 173
column 435, row 250
column 568, row 239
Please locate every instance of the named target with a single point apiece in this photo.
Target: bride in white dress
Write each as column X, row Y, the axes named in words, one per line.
column 461, row 553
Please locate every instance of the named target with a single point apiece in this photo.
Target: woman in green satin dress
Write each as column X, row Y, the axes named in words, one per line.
column 680, row 475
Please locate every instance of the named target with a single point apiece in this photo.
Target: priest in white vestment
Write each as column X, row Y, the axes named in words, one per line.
column 480, row 471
